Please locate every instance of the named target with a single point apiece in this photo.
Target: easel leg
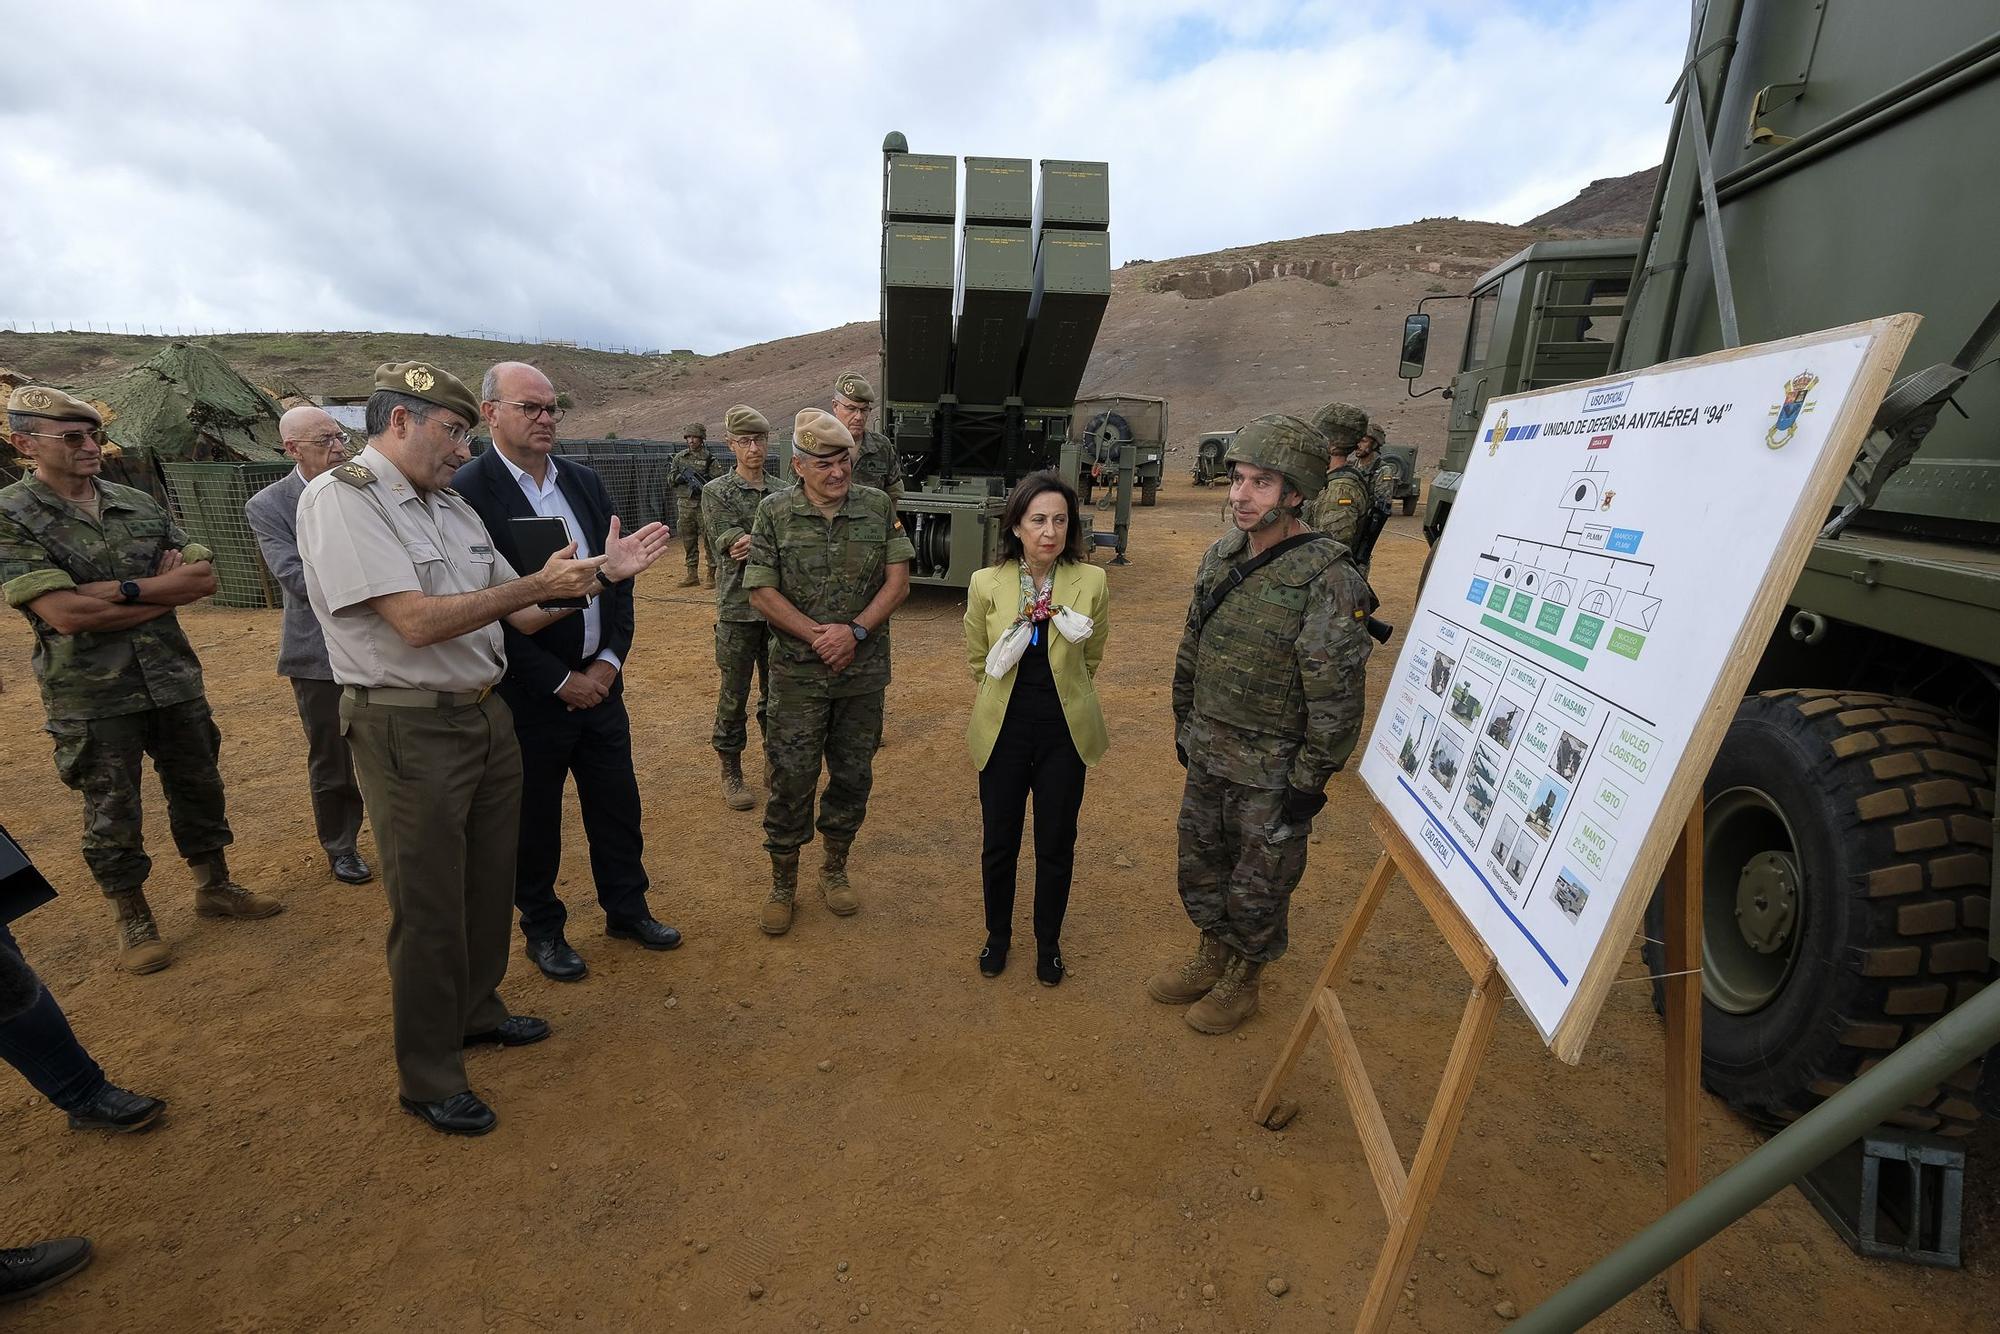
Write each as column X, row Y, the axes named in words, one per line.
column 1683, row 889
column 1350, row 936
column 1406, row 1221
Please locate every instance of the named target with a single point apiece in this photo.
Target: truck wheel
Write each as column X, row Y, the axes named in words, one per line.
column 1845, row 871
column 1409, row 506
column 1149, row 493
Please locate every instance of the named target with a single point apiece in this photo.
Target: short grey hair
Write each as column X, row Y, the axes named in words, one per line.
column 384, row 402
column 489, row 384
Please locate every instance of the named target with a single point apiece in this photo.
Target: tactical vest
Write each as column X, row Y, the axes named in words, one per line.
column 1245, row 674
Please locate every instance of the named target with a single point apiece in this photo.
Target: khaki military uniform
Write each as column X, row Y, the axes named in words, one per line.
column 830, row 569
column 433, row 747
column 1267, row 697
column 696, row 463
column 742, row 649
column 114, row 697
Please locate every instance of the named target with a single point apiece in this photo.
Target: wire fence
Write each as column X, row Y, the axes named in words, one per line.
column 216, row 331
column 207, row 499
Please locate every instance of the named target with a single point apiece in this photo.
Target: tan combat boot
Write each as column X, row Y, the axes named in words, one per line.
column 708, row 580
column 693, row 580
column 140, row 949
column 216, row 895
column 733, row 791
column 777, row 916
column 833, row 886
column 1230, row 1001
column 1187, row 982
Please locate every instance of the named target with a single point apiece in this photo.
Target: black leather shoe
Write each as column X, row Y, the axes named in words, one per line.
column 1049, row 968
column 25, row 1270
column 349, row 868
column 653, row 935
column 993, row 956
column 460, row 1114
column 516, row 1030
column 118, row 1110
column 558, row 962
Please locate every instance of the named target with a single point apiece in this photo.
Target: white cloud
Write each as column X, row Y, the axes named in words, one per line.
column 707, row 175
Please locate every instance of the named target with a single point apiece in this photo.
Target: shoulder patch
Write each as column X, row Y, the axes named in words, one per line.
column 354, row 474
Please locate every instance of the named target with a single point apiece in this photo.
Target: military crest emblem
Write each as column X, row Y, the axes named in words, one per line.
column 1499, row 433
column 38, row 400
column 419, row 378
column 1787, row 413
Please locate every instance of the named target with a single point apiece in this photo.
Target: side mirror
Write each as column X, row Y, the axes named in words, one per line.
column 1416, row 342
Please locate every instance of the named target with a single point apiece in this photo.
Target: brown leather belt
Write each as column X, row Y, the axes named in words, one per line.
column 397, row 698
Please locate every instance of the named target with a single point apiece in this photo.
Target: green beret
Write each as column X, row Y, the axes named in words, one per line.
column 695, row 429
column 1341, row 423
column 421, row 379
column 817, row 432
column 38, row 400
column 1377, row 432
column 745, row 420
column 853, row 386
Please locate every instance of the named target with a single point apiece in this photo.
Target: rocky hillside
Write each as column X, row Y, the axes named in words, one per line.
column 1613, row 206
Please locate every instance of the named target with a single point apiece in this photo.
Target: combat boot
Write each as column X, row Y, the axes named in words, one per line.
column 733, row 791
column 140, row 949
column 833, row 886
column 1230, row 1001
column 708, row 580
column 216, row 895
column 1185, row 983
column 777, row 916
column 692, row 579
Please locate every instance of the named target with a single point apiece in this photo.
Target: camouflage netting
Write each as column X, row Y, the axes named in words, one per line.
column 188, row 405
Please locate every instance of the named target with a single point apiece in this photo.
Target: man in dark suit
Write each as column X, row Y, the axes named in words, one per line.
column 563, row 683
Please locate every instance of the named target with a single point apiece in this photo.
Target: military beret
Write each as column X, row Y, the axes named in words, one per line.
column 1340, row 422
column 1377, row 432
column 695, row 429
column 817, row 432
column 745, row 420
column 421, row 379
column 38, row 400
column 853, row 386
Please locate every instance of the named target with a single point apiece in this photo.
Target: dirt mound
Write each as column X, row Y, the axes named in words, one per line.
column 1612, row 206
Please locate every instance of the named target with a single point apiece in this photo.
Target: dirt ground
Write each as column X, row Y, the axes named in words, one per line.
column 846, row 1126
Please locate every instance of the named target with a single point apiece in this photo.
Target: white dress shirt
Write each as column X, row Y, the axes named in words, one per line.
column 548, row 501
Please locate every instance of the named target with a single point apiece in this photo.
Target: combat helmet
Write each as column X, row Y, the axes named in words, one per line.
column 1341, row 423
column 1377, row 432
column 1287, row 446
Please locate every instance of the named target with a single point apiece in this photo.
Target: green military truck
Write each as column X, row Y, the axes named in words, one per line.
column 1209, row 448
column 1109, row 425
column 1818, row 172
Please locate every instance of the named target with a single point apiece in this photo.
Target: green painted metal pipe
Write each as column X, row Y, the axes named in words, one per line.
column 1948, row 1045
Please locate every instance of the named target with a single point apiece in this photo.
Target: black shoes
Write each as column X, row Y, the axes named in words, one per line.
column 516, row 1030
column 350, row 869
column 118, row 1110
column 558, row 962
column 1049, row 967
column 993, row 956
column 460, row 1114
column 25, row 1270
column 653, row 935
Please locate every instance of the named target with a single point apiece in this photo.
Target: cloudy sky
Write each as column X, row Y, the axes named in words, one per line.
column 708, row 175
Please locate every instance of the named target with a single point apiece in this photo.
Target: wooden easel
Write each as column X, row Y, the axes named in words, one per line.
column 1407, row 1195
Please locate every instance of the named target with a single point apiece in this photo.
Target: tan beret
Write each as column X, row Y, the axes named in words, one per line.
column 817, row 432
column 421, row 379
column 38, row 400
column 745, row 420
column 854, row 386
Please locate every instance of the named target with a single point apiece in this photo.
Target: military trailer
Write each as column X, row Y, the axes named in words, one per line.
column 1408, row 488
column 986, row 328
column 1208, row 451
column 1818, row 173
column 1121, row 433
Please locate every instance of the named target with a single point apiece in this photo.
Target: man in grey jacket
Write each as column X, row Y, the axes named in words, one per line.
column 316, row 441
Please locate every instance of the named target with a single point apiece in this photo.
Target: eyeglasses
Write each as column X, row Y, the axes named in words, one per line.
column 534, row 410
column 456, row 434
column 74, row 439
column 333, row 440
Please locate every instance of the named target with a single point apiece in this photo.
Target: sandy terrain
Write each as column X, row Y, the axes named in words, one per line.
column 847, row 1126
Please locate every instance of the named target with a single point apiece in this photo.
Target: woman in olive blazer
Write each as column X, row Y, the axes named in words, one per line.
column 1037, row 725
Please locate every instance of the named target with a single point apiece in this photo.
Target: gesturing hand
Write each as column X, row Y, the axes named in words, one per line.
column 566, row 577
column 835, row 646
column 581, row 691
column 627, row 556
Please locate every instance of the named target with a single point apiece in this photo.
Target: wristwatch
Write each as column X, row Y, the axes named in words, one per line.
column 860, row 630
column 128, row 590
column 602, row 580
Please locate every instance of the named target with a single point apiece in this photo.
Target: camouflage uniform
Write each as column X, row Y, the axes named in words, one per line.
column 694, row 461
column 830, row 569
column 1339, row 509
column 876, row 465
column 114, row 697
column 728, row 509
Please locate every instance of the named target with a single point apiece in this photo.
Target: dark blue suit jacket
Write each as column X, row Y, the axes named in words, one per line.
column 537, row 663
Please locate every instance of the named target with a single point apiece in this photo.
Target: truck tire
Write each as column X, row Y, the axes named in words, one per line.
column 1846, row 860
column 1409, row 506
column 1149, row 494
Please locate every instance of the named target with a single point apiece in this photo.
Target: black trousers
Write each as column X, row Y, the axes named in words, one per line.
column 1033, row 755
column 595, row 745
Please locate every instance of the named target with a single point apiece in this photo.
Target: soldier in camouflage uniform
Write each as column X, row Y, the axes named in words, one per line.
column 1338, row 510
column 875, row 463
column 728, row 509
column 689, row 471
column 1380, row 472
column 829, row 562
column 1267, row 705
column 98, row 570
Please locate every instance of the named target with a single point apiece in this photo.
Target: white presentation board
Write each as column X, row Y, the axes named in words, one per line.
column 1615, row 560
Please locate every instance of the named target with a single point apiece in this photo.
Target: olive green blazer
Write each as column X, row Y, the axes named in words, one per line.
column 992, row 601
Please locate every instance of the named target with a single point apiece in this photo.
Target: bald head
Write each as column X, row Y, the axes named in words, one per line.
column 519, row 405
column 313, row 438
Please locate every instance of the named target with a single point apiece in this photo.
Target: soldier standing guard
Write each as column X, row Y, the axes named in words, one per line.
column 690, row 470
column 728, row 509
column 1339, row 509
column 409, row 589
column 1381, row 473
column 98, row 570
column 829, row 563
column 875, row 462
column 1268, row 689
